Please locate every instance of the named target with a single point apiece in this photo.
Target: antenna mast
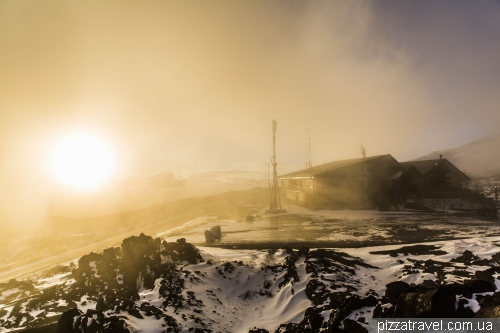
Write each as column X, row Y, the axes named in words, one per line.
column 363, row 151
column 275, row 205
column 309, row 163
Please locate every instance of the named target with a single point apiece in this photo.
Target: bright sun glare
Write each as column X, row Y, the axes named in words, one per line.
column 82, row 161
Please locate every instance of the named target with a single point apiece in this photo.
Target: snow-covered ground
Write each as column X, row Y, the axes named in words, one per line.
column 236, row 290
column 336, row 228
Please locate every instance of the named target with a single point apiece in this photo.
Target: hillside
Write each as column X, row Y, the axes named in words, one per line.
column 150, row 285
column 480, row 158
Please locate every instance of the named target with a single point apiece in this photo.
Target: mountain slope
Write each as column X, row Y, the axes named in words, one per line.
column 154, row 286
column 480, row 158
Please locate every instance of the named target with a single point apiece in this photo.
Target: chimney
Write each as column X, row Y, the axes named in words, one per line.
column 440, row 156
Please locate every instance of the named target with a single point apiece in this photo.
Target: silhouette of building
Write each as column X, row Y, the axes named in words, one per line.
column 367, row 181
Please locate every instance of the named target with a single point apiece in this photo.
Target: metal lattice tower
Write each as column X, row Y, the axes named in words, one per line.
column 275, row 191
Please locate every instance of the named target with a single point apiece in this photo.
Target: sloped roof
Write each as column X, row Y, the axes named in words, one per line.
column 422, row 166
column 405, row 167
column 319, row 169
column 427, row 165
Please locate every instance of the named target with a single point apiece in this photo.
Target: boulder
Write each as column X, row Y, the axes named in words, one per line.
column 352, row 326
column 209, row 237
column 465, row 258
column 258, row 330
column 345, row 308
column 394, row 290
column 487, row 275
column 435, row 303
column 490, row 306
column 66, row 321
column 216, row 231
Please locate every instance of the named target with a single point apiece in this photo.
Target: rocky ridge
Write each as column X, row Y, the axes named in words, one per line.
column 150, row 285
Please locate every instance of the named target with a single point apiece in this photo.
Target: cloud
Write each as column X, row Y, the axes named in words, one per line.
column 233, row 177
column 163, row 179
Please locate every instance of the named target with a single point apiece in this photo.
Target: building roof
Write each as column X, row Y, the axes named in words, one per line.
column 427, row 165
column 422, row 166
column 319, row 169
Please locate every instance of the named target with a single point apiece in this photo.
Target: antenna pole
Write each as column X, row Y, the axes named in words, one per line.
column 275, row 196
column 309, row 163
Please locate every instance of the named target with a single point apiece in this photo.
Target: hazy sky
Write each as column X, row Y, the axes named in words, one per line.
column 194, row 85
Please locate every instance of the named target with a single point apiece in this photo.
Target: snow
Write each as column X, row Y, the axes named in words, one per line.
column 6, row 293
column 58, row 279
column 186, row 226
column 84, row 304
column 243, row 307
column 473, row 304
column 35, row 313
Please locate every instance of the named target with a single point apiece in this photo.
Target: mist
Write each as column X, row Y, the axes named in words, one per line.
column 190, row 87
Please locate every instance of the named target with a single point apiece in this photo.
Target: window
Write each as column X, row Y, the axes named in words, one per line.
column 370, row 168
column 382, row 169
column 307, row 183
column 284, row 183
column 361, row 168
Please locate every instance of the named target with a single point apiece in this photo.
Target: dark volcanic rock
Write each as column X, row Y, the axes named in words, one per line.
column 138, row 261
column 477, row 286
column 487, row 275
column 290, row 328
column 209, row 236
column 395, row 289
column 216, row 232
column 490, row 306
column 331, row 261
column 467, row 257
column 291, row 274
column 352, row 326
column 462, row 311
column 92, row 321
column 496, row 257
column 345, row 308
column 435, row 303
column 13, row 283
column 151, row 310
column 315, row 291
column 135, row 312
column 415, row 250
column 258, row 330
column 303, row 251
column 66, row 321
column 313, row 317
column 172, row 324
column 341, row 270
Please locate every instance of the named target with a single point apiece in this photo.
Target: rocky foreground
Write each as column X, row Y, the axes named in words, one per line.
column 150, row 285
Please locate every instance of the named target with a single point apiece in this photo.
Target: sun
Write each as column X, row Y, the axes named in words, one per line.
column 82, row 161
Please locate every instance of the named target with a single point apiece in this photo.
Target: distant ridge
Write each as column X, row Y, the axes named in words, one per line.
column 480, row 158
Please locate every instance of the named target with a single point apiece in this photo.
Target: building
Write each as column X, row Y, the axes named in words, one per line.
column 368, row 181
column 346, row 183
column 435, row 175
